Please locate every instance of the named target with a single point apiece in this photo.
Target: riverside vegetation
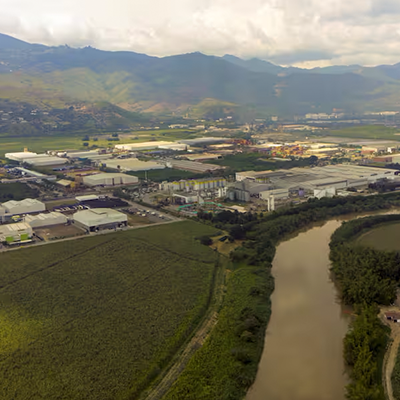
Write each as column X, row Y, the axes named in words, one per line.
column 366, row 276
column 226, row 366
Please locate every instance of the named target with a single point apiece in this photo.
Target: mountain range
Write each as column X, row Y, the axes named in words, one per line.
column 189, row 84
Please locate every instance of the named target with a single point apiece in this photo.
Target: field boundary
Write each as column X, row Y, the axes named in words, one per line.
column 196, row 340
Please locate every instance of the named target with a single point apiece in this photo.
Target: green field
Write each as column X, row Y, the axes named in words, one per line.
column 368, row 132
column 385, row 237
column 71, row 142
column 100, row 317
column 16, row 191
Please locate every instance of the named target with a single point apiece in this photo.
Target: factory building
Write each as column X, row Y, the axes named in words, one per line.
column 146, row 146
column 100, row 218
column 27, row 206
column 43, row 160
column 192, row 166
column 194, row 184
column 131, row 164
column 41, row 220
column 15, row 233
column 20, row 156
column 318, row 181
column 110, row 179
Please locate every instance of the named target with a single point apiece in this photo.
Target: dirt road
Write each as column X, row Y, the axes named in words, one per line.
column 391, row 353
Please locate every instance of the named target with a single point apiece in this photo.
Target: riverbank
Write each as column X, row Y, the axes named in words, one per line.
column 221, row 369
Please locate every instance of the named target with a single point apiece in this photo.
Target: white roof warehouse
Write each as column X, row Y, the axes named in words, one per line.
column 109, row 179
column 100, row 218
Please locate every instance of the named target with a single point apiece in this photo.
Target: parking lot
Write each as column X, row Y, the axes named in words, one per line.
column 142, row 215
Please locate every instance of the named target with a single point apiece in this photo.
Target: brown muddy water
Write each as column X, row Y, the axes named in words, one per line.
column 302, row 358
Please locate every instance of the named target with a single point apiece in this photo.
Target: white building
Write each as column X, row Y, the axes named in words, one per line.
column 194, row 184
column 144, row 146
column 41, row 220
column 20, row 156
column 42, row 160
column 132, row 164
column 100, row 218
column 27, row 206
column 18, row 232
column 109, row 179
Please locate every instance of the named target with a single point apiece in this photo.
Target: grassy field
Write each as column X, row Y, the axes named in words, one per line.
column 100, row 317
column 71, row 142
column 384, row 237
column 228, row 360
column 15, row 191
column 368, row 132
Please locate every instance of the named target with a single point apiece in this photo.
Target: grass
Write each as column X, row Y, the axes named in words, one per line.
column 368, row 132
column 100, row 317
column 228, row 360
column 16, row 191
column 74, row 142
column 384, row 237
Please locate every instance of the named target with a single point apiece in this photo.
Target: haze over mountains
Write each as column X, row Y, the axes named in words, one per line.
column 194, row 83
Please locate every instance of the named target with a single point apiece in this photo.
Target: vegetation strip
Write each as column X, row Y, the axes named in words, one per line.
column 366, row 277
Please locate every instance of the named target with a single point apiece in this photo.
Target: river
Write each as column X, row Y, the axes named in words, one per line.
column 303, row 352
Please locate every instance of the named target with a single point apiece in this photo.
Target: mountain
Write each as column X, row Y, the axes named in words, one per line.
column 57, row 77
column 254, row 64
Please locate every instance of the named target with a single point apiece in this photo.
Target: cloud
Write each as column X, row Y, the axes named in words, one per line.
column 298, row 32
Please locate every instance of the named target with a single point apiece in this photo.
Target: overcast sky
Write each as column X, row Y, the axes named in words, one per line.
column 296, row 32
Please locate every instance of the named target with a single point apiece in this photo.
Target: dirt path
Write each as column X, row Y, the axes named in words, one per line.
column 390, row 360
column 391, row 353
column 211, row 319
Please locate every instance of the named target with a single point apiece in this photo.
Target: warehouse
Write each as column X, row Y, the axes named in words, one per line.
column 100, row 218
column 145, row 146
column 110, row 179
column 41, row 220
column 27, row 206
column 131, row 164
column 15, row 233
column 42, row 160
column 20, row 156
column 192, row 166
column 194, row 184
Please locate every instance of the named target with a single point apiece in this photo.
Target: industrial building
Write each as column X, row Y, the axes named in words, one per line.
column 100, row 218
column 20, row 156
column 110, row 179
column 317, row 181
column 15, row 233
column 131, row 164
column 27, row 206
column 192, row 166
column 149, row 146
column 42, row 220
column 194, row 184
column 43, row 160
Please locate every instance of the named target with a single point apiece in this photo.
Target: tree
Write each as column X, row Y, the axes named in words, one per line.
column 86, row 144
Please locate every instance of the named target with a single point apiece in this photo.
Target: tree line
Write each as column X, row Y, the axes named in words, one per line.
column 366, row 277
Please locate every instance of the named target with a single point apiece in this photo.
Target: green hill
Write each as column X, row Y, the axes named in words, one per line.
column 60, row 76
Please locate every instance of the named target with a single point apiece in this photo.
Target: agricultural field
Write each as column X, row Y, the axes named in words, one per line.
column 74, row 142
column 16, row 191
column 384, row 237
column 100, row 317
column 367, row 132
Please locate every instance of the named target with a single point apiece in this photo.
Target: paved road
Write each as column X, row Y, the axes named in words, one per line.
column 4, row 249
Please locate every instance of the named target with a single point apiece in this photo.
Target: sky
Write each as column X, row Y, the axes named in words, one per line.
column 305, row 33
